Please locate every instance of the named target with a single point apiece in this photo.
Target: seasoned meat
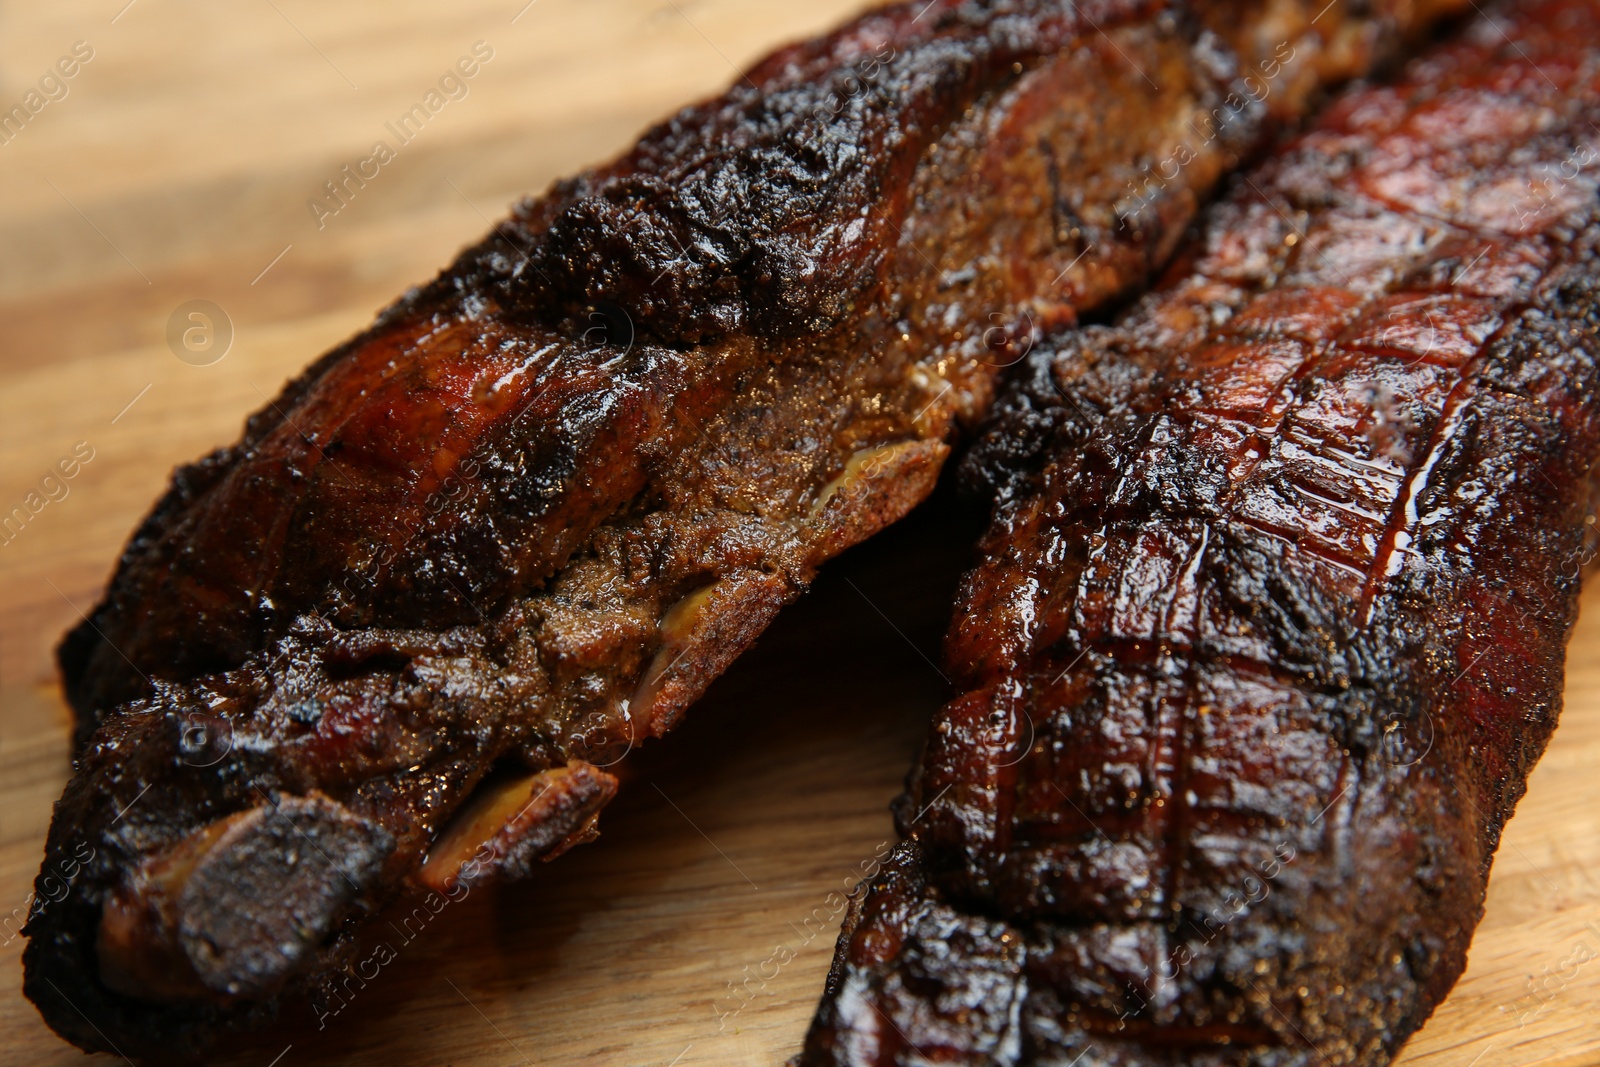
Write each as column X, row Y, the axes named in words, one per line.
column 1269, row 624
column 390, row 641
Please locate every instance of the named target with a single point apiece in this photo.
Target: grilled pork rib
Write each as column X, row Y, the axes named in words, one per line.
column 1269, row 625
column 390, row 641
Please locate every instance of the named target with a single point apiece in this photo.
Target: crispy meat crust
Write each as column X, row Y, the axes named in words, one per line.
column 472, row 557
column 1269, row 626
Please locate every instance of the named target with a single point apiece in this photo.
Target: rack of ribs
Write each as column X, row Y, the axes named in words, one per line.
column 390, row 641
column 1268, row 628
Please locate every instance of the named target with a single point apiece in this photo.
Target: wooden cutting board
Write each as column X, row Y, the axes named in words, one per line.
column 180, row 165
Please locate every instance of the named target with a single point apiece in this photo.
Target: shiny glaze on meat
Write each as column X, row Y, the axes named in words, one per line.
column 391, row 640
column 1269, row 626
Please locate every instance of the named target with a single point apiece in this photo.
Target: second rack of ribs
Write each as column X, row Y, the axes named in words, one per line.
column 1269, row 626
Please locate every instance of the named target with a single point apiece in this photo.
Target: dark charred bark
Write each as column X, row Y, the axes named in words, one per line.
column 1269, row 626
column 472, row 557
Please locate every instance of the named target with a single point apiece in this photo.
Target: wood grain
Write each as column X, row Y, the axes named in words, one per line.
column 178, row 167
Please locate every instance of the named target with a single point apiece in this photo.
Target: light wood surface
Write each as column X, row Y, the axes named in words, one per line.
column 178, row 167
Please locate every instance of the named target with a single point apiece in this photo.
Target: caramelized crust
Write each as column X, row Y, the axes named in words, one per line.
column 477, row 554
column 1269, row 626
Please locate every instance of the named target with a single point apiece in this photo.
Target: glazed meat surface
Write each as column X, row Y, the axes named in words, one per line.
column 390, row 641
column 1268, row 628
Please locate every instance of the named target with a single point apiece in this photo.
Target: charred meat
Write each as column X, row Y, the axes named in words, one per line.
column 391, row 640
column 1269, row 626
